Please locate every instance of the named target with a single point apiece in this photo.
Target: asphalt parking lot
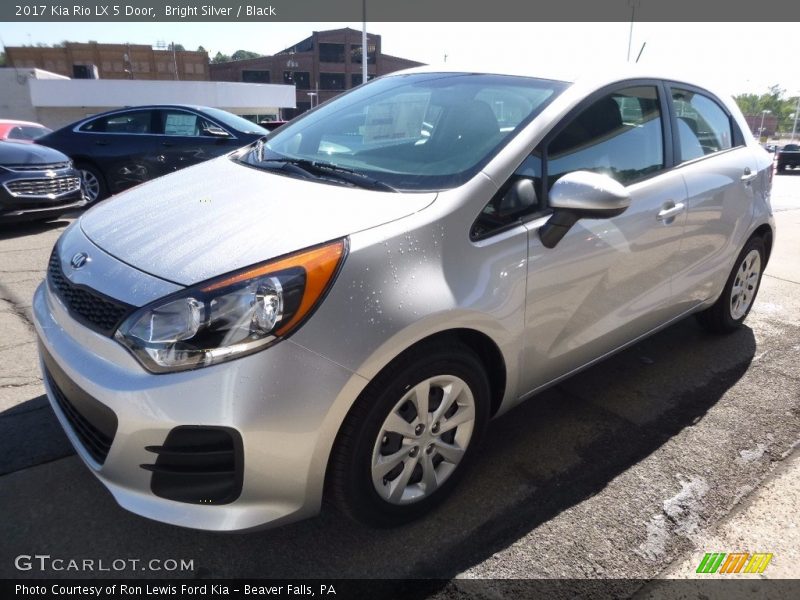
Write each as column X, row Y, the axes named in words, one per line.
column 619, row 472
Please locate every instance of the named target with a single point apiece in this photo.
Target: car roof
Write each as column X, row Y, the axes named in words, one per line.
column 580, row 77
column 17, row 122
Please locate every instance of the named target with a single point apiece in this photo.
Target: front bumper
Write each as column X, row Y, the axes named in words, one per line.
column 286, row 403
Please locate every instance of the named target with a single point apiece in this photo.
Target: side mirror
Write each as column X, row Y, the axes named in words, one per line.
column 582, row 195
column 215, row 131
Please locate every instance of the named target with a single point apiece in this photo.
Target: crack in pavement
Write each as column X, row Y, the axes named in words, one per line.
column 16, row 305
column 782, row 279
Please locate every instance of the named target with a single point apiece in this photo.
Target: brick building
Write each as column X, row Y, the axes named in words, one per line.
column 111, row 61
column 770, row 124
column 320, row 66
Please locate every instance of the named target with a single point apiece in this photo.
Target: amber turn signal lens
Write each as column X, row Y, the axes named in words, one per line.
column 319, row 264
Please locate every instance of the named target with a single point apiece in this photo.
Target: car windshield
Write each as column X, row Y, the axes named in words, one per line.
column 27, row 132
column 791, row 147
column 234, row 121
column 413, row 132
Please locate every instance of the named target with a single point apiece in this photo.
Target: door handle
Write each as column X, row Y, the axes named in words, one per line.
column 667, row 214
column 748, row 175
column 167, row 144
column 100, row 143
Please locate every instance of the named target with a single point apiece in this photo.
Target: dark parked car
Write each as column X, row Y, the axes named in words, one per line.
column 36, row 183
column 789, row 156
column 122, row 148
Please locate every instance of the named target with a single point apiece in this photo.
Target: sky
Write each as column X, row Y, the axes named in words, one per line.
column 730, row 57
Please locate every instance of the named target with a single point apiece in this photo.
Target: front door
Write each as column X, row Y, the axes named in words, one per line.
column 608, row 281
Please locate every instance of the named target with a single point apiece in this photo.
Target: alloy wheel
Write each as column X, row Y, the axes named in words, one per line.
column 423, row 439
column 745, row 284
column 91, row 185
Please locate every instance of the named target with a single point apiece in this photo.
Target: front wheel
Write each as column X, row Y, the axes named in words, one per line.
column 94, row 185
column 737, row 298
column 410, row 436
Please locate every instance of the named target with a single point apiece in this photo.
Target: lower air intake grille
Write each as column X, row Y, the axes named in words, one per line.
column 198, row 465
column 93, row 423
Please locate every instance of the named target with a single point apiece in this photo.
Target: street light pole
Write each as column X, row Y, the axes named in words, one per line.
column 364, row 54
column 764, row 113
column 796, row 110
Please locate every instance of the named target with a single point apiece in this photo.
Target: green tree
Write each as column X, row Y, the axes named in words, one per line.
column 220, row 58
column 245, row 54
column 774, row 101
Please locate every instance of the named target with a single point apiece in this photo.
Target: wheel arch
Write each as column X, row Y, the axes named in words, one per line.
column 764, row 231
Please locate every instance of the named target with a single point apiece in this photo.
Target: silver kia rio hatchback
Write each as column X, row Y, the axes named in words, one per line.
column 338, row 310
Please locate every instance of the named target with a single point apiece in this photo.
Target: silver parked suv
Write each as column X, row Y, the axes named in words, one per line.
column 339, row 309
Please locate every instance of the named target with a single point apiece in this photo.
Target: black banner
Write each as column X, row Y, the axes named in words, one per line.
column 394, row 11
column 368, row 589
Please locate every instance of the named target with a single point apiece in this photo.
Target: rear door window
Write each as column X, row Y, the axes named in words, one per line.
column 131, row 122
column 703, row 126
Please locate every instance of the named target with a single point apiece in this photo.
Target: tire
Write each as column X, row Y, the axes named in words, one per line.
column 381, row 477
column 781, row 168
column 731, row 309
column 94, row 184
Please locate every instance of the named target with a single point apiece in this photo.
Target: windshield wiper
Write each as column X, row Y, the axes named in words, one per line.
column 323, row 170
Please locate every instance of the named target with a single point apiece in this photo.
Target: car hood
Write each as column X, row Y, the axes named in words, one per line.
column 219, row 216
column 25, row 153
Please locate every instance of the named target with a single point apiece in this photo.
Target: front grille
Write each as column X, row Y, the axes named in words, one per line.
column 96, row 311
column 198, row 465
column 94, row 424
column 29, row 168
column 43, row 187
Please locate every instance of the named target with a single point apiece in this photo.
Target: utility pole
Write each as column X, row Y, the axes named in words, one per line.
column 175, row 61
column 796, row 110
column 633, row 4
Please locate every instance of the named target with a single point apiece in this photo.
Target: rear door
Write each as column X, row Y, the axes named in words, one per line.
column 124, row 145
column 719, row 172
column 608, row 281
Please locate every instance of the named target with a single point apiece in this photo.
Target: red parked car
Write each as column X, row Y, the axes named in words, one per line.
column 21, row 131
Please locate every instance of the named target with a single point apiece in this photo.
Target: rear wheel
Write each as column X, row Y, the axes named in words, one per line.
column 410, row 436
column 93, row 183
column 733, row 306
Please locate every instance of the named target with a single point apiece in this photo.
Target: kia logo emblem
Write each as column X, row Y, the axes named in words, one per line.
column 80, row 259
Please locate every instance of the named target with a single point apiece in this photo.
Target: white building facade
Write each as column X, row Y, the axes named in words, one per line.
column 55, row 101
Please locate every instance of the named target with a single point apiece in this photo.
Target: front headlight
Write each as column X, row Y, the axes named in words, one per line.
column 233, row 315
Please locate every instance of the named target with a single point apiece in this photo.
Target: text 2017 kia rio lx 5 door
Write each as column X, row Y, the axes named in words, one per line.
column 338, row 310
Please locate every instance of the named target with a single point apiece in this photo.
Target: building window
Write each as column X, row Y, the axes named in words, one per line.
column 251, row 76
column 331, row 81
column 300, row 79
column 188, row 67
column 355, row 53
column 331, row 53
column 356, row 79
